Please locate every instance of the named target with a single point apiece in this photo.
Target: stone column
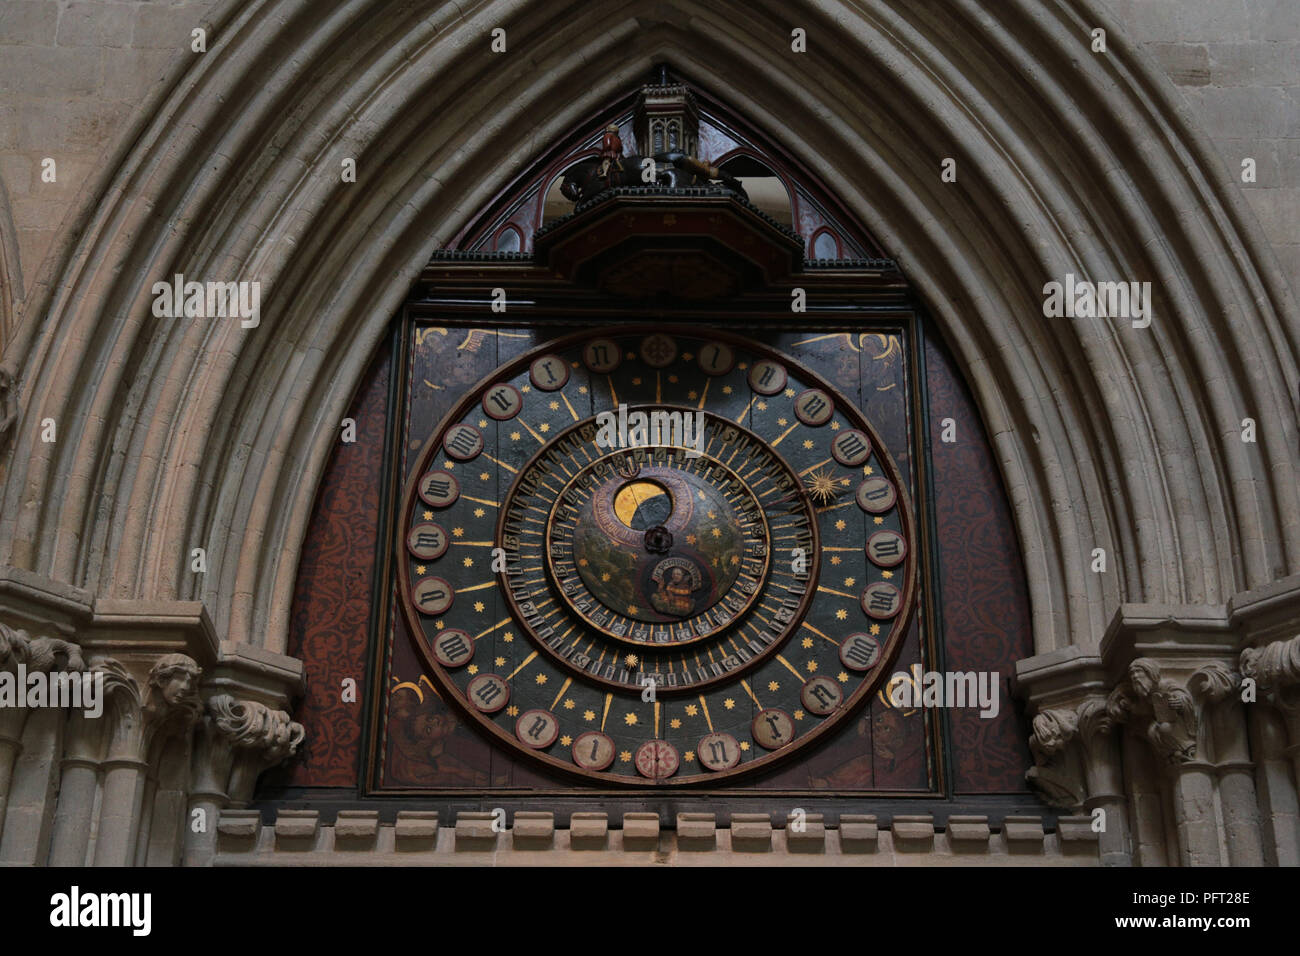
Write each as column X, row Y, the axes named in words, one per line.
column 1166, row 716
column 169, row 706
column 1215, row 688
column 1274, row 670
column 35, row 655
column 80, row 766
column 1105, row 781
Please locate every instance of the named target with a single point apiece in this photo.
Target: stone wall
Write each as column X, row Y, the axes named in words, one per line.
column 74, row 78
column 1236, row 64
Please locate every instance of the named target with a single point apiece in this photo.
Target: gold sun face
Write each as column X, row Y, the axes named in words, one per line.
column 821, row 485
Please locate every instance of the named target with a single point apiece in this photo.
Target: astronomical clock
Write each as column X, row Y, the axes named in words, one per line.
column 653, row 509
column 663, row 482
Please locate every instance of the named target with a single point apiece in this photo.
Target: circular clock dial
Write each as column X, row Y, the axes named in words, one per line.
column 660, row 557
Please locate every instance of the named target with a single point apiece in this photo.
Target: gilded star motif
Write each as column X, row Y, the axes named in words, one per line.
column 478, row 512
column 675, row 723
column 842, row 677
column 806, row 642
column 588, row 715
column 566, row 740
column 629, row 719
column 691, row 710
column 468, row 562
column 812, row 667
column 473, row 668
column 419, row 569
column 729, row 703
column 508, row 637
column 798, row 715
column 500, row 662
column 841, row 614
column 689, row 756
column 478, row 607
column 839, row 525
column 541, row 679
column 744, row 745
column 821, row 486
column 773, row 686
column 512, row 711
column 428, row 516
column 483, row 476
column 569, row 704
column 625, row 756
column 458, row 532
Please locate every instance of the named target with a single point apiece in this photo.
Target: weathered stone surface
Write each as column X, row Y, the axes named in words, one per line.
column 296, row 829
column 859, row 833
column 355, row 829
column 969, row 834
column 808, row 836
column 751, row 832
column 697, row 831
column 415, row 830
column 640, row 831
column 533, row 829
column 913, row 833
column 476, row 830
column 589, row 831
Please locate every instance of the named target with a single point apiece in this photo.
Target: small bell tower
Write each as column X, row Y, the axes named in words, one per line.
column 667, row 119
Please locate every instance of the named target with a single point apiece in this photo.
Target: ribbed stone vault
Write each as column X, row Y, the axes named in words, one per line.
column 182, row 434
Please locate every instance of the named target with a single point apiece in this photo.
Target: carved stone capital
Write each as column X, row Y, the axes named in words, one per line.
column 257, row 737
column 168, row 704
column 1275, row 669
column 1157, row 708
column 1057, row 774
column 37, row 653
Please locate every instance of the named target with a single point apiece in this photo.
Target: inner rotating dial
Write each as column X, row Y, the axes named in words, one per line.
column 672, row 555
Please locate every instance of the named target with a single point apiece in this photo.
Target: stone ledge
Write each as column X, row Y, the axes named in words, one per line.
column 415, row 830
column 356, row 829
column 640, row 831
column 359, row 837
column 588, row 831
column 533, row 830
column 807, row 835
column 697, row 831
column 751, row 832
column 859, row 833
column 969, row 834
column 476, row 830
column 296, row 829
column 913, row 833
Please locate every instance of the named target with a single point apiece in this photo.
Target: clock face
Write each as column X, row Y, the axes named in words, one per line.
column 704, row 554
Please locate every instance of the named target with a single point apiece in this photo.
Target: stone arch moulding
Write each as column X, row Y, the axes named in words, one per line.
column 176, row 435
